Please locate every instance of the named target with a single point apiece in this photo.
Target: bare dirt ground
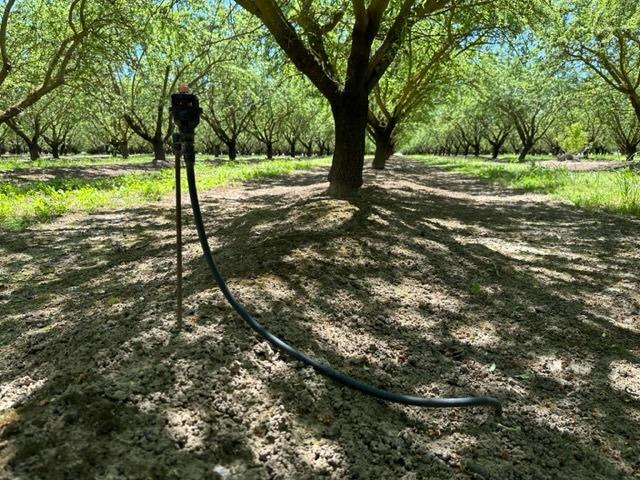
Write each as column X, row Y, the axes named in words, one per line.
column 584, row 165
column 431, row 282
column 88, row 173
column 98, row 172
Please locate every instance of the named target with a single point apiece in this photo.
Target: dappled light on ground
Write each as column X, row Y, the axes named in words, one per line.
column 430, row 283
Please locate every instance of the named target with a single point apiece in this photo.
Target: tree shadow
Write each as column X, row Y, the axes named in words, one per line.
column 429, row 283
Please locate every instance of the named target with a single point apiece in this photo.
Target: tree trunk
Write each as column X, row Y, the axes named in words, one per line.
column 292, row 149
column 635, row 102
column 55, row 150
column 159, row 153
column 476, row 149
column 269, row 146
column 350, row 119
column 309, row 149
column 34, row 151
column 467, row 147
column 384, row 148
column 124, row 149
column 630, row 150
column 232, row 147
column 526, row 148
column 495, row 150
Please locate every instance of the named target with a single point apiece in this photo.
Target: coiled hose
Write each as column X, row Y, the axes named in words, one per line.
column 319, row 367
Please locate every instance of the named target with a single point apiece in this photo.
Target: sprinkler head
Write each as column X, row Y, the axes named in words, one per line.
column 185, row 109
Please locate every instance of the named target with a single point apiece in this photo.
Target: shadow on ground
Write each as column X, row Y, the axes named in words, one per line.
column 429, row 282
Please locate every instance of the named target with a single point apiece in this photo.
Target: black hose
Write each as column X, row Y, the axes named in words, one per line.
column 282, row 345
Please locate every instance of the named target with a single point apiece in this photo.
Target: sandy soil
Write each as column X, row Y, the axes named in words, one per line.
column 584, row 165
column 431, row 282
column 88, row 173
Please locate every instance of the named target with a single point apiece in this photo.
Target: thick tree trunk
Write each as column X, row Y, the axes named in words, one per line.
column 467, row 147
column 476, row 149
column 159, row 153
column 55, row 150
column 384, row 148
column 232, row 147
column 269, row 146
column 350, row 118
column 495, row 150
column 496, row 147
column 630, row 150
column 124, row 149
column 635, row 102
column 34, row 150
column 526, row 148
column 309, row 150
column 292, row 149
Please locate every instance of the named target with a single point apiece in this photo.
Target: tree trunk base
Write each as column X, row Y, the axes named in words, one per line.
column 381, row 158
column 342, row 191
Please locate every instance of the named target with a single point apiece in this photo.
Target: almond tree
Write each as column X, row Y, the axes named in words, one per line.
column 230, row 99
column 422, row 66
column 530, row 96
column 30, row 126
column 344, row 48
column 604, row 37
column 4, row 134
column 43, row 42
column 268, row 120
column 621, row 122
column 177, row 45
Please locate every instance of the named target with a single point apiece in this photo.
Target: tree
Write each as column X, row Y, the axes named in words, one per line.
column 160, row 60
column 423, row 65
column 30, row 126
column 530, row 95
column 603, row 36
column 68, row 34
column 496, row 131
column 230, row 101
column 574, row 138
column 267, row 120
column 484, row 101
column 300, row 112
column 4, row 137
column 319, row 36
column 621, row 121
column 62, row 117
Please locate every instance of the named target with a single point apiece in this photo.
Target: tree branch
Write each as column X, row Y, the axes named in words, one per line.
column 288, row 39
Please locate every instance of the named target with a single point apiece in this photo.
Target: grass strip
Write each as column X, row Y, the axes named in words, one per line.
column 28, row 203
column 616, row 191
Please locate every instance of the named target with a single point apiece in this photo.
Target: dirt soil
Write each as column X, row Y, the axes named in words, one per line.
column 583, row 165
column 88, row 173
column 431, row 283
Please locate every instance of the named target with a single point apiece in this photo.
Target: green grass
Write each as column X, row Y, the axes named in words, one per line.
column 21, row 163
column 614, row 191
column 24, row 204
